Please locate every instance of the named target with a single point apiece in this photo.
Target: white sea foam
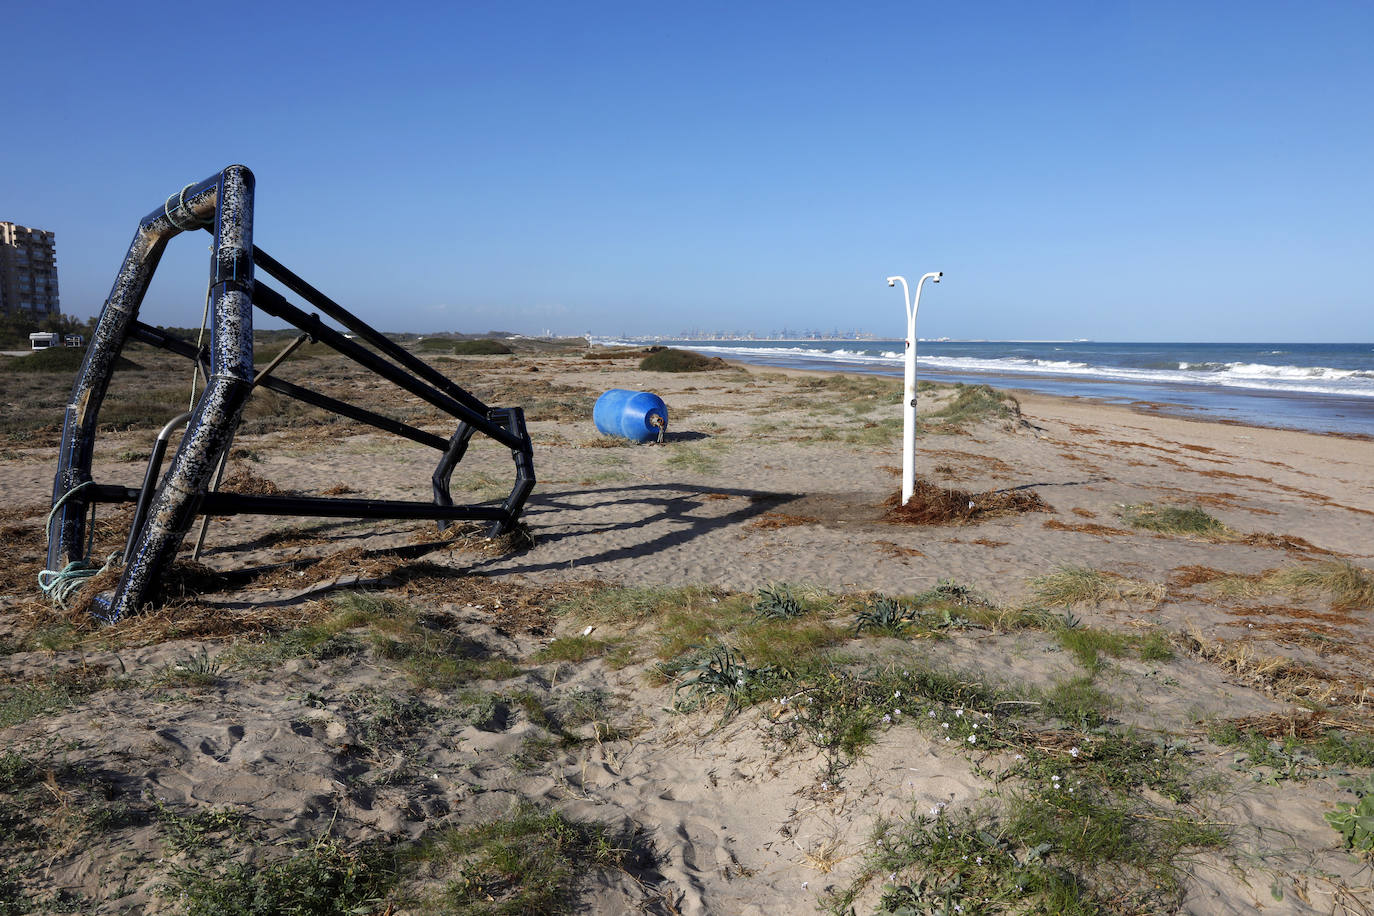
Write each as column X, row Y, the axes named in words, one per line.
column 1256, row 376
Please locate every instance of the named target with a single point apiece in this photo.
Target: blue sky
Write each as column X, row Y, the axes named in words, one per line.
column 1118, row 171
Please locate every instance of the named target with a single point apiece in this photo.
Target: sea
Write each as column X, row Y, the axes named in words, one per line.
column 1316, row 387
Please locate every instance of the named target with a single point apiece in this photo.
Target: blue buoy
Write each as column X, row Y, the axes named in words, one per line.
column 635, row 415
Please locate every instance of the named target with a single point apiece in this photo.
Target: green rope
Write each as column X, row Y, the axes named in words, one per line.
column 59, row 585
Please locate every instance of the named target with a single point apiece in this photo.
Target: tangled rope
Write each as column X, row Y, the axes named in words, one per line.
column 57, row 585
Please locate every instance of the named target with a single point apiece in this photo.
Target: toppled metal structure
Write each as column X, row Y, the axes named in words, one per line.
column 223, row 205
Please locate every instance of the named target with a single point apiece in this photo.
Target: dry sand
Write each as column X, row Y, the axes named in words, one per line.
column 765, row 478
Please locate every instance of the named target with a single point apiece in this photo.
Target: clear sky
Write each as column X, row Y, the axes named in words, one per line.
column 1112, row 170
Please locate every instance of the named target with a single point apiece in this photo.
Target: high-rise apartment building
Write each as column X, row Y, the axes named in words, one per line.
column 28, row 271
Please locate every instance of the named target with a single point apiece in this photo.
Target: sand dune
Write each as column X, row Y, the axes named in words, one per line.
column 218, row 731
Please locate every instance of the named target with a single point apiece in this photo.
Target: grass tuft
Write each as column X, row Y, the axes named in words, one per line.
column 1079, row 702
column 323, row 879
column 694, row 458
column 1072, row 585
column 1350, row 587
column 529, row 861
column 1193, row 522
column 577, row 648
column 1088, row 645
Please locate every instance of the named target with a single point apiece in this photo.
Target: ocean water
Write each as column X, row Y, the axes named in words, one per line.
column 1314, row 387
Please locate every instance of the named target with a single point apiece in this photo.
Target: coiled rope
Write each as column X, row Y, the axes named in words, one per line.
column 59, row 585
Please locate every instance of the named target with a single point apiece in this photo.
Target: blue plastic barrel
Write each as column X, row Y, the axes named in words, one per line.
column 630, row 414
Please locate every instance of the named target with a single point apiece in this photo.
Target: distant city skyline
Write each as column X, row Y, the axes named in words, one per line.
column 1131, row 171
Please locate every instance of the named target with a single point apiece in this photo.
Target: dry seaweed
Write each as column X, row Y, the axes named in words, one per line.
column 933, row 505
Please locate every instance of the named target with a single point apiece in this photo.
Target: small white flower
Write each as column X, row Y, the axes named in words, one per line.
column 946, row 737
column 892, row 878
column 979, row 860
column 975, row 726
column 1055, row 778
column 958, row 712
column 1073, row 752
column 825, row 786
column 897, row 695
column 1019, row 757
column 931, row 714
column 972, row 739
column 944, row 725
column 896, row 712
column 805, row 884
column 887, row 718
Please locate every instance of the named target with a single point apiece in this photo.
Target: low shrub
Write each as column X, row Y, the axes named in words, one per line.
column 671, row 359
column 483, row 346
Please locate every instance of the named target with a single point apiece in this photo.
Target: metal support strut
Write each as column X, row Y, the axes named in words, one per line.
column 223, row 205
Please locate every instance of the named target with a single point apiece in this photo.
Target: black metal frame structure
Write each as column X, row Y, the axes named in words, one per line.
column 223, row 205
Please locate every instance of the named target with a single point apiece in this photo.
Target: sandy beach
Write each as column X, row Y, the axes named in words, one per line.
column 721, row 658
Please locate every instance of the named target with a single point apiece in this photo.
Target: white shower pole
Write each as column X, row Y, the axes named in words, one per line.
column 909, row 383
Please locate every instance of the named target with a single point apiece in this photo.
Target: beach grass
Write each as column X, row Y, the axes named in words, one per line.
column 1188, row 521
column 529, row 860
column 576, row 648
column 1073, row 585
column 1067, row 829
column 56, row 360
column 1154, row 646
column 971, row 404
column 391, row 629
column 22, row 703
column 634, row 605
column 699, row 459
column 323, row 878
column 1089, row 645
column 1078, row 700
column 1348, row 586
column 48, row 694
